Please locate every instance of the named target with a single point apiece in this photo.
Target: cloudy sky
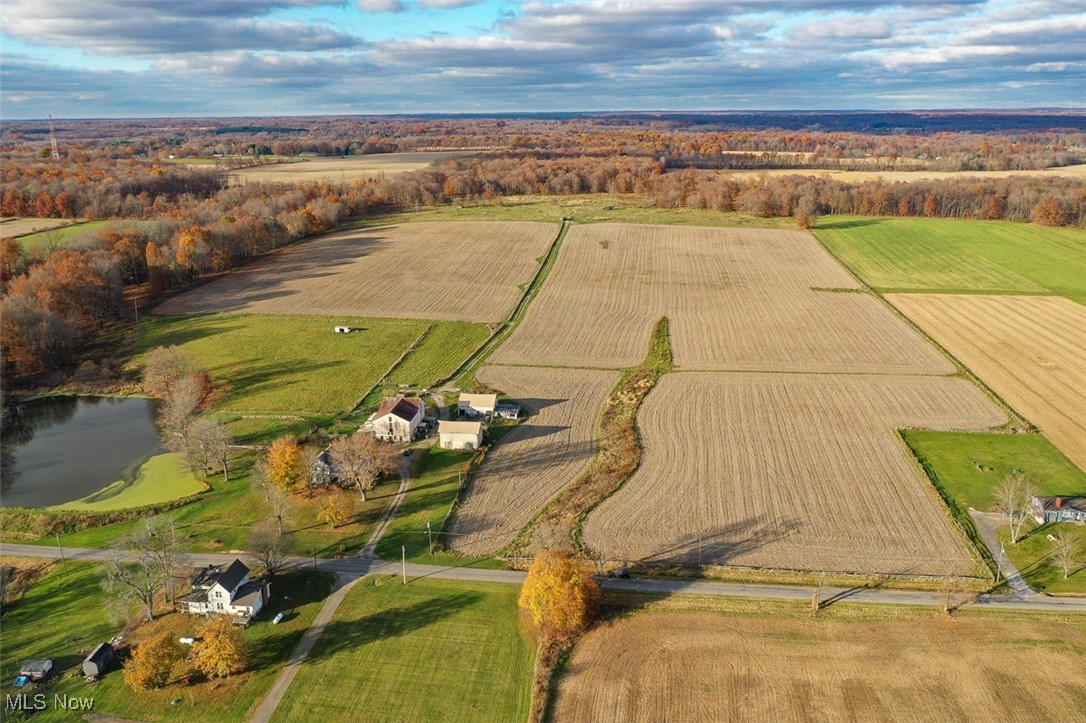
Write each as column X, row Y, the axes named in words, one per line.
column 138, row 58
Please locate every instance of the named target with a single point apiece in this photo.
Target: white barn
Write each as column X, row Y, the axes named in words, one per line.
column 460, row 435
column 475, row 405
column 396, row 419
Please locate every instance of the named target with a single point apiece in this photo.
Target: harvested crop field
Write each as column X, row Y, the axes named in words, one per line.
column 23, row 226
column 345, row 168
column 536, row 459
column 466, row 271
column 669, row 666
column 1030, row 349
column 791, row 471
column 738, row 299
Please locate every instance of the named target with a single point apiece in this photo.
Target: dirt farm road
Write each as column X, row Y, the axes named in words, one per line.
column 357, row 567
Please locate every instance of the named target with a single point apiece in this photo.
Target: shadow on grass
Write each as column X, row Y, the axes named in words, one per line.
column 852, row 223
column 348, row 635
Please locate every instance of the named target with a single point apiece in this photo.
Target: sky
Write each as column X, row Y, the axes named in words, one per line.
column 197, row 58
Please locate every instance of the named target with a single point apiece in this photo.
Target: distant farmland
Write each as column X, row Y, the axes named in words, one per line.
column 750, row 299
column 803, row 472
column 1029, row 349
column 345, row 168
column 446, row 271
column 687, row 666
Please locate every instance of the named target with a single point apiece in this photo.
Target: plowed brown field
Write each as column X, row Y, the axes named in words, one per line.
column 743, row 299
column 712, row 667
column 467, row 271
column 1030, row 349
column 535, row 460
column 801, row 472
column 346, row 168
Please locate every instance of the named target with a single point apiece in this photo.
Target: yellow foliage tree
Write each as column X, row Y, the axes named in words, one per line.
column 285, row 467
column 153, row 662
column 220, row 650
column 335, row 511
column 560, row 593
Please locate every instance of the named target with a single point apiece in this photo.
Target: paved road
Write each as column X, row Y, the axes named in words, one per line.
column 356, row 567
column 988, row 524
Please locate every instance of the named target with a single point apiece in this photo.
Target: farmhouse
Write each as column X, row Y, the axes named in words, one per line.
column 1059, row 509
column 396, row 419
column 460, row 435
column 226, row 591
column 475, row 405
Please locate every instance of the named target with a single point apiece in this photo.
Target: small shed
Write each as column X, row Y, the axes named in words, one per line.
column 507, row 410
column 343, row 330
column 36, row 668
column 475, row 405
column 460, row 435
column 97, row 663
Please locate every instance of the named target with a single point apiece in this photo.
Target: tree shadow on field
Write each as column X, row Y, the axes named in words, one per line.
column 536, row 405
column 851, row 223
column 524, row 432
column 349, row 635
column 720, row 545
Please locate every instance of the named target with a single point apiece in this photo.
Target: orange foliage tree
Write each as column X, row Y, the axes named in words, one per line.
column 153, row 662
column 560, row 593
column 220, row 650
column 285, row 467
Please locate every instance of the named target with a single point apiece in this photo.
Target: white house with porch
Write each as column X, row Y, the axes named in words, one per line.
column 396, row 419
column 226, row 590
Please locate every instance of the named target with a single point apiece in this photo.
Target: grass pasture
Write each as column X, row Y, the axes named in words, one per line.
column 72, row 608
column 285, row 364
column 451, row 272
column 1028, row 349
column 60, row 235
column 435, row 650
column 1033, row 558
column 951, row 256
column 162, row 478
column 771, row 662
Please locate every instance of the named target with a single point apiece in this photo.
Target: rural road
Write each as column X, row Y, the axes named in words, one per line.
column 356, row 567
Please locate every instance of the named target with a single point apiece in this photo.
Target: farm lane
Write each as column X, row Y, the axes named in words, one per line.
column 988, row 525
column 357, row 567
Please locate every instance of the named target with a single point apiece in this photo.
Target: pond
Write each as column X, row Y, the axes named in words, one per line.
column 62, row 449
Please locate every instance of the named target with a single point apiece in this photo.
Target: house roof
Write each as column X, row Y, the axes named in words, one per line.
column 36, row 665
column 1075, row 503
column 444, row 427
column 233, row 575
column 248, row 594
column 478, row 400
column 399, row 406
column 102, row 653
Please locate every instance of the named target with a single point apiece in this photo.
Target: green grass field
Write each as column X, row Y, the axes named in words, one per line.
column 59, row 237
column 951, row 256
column 434, row 650
column 162, row 478
column 1032, row 558
column 581, row 209
column 969, row 466
column 296, row 365
column 63, row 616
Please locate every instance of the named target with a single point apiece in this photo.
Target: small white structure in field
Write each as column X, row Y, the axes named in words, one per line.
column 475, row 405
column 396, row 419
column 460, row 435
column 343, row 330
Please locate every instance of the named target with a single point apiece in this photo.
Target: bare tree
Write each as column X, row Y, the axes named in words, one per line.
column 159, row 536
column 208, row 442
column 1068, row 549
column 132, row 575
column 280, row 501
column 164, row 367
column 268, row 547
column 1014, row 496
column 179, row 411
column 363, row 460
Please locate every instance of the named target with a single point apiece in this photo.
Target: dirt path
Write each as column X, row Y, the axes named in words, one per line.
column 988, row 524
column 344, row 582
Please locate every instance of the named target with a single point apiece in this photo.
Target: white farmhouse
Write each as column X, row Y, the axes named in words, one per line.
column 476, row 405
column 396, row 419
column 460, row 435
column 226, row 591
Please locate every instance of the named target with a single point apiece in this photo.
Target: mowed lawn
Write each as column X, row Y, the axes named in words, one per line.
column 952, row 256
column 285, row 363
column 434, row 650
column 60, row 236
column 64, row 616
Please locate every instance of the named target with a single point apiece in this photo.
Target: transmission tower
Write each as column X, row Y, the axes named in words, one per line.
column 53, row 138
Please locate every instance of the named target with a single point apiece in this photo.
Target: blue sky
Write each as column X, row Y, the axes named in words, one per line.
column 148, row 58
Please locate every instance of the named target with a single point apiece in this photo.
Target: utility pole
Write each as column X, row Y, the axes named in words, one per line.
column 403, row 551
column 136, row 311
column 429, row 537
column 63, row 561
column 999, row 565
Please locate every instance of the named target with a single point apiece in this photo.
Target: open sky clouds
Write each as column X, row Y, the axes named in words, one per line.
column 94, row 58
